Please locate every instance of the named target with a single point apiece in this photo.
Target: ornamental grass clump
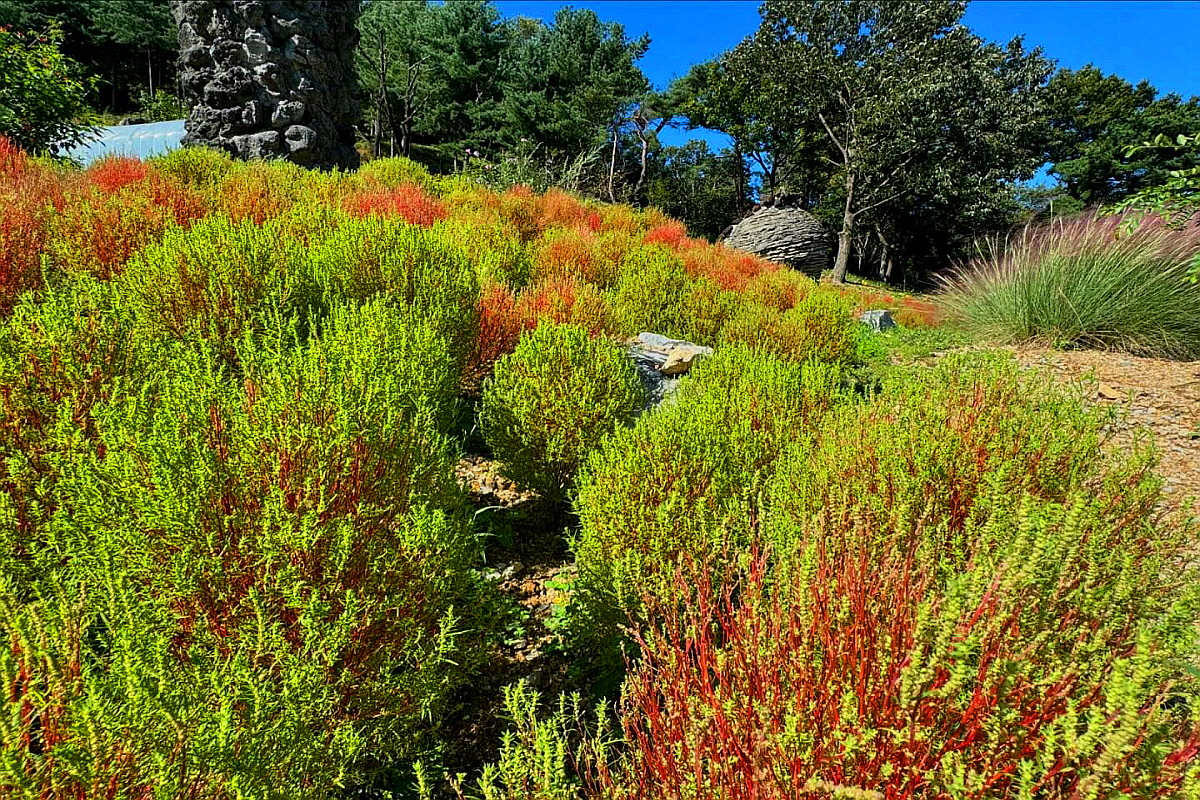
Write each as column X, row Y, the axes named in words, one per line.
column 1090, row 281
column 552, row 400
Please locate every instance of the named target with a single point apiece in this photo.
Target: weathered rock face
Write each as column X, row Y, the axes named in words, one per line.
column 784, row 233
column 271, row 78
column 661, row 362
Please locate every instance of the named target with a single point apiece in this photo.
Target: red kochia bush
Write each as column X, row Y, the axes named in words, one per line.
column 500, row 325
column 115, row 172
column 13, row 160
column 841, row 687
column 407, row 201
column 672, row 234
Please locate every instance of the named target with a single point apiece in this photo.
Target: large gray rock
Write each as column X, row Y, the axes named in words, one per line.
column 783, row 233
column 271, row 78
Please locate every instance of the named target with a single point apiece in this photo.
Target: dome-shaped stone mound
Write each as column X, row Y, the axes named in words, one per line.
column 786, row 234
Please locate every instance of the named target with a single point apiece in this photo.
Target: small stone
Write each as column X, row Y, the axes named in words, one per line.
column 1107, row 392
column 683, row 358
column 878, row 319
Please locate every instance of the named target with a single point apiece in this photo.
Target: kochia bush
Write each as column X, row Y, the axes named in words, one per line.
column 552, row 401
column 688, row 477
column 258, row 577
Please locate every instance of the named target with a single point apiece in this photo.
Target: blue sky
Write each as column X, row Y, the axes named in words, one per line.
column 1136, row 39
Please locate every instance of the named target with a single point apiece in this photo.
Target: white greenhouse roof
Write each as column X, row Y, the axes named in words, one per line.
column 141, row 141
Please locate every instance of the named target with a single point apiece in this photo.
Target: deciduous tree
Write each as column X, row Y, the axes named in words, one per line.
column 908, row 98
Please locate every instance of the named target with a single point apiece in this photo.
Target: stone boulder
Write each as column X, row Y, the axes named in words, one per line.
column 879, row 319
column 271, row 78
column 661, row 362
column 782, row 232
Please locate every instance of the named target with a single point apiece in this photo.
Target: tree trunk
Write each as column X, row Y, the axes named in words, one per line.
column 885, row 254
column 612, row 169
column 641, row 175
column 845, row 238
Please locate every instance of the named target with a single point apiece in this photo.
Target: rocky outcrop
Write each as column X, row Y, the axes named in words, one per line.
column 782, row 232
column 271, row 78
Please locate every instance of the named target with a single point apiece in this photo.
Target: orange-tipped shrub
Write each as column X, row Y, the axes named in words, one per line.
column 407, row 201
column 501, row 322
column 518, row 209
column 566, row 299
column 565, row 253
column 779, row 288
column 22, row 238
column 561, row 210
column 13, row 160
column 672, row 234
column 112, row 173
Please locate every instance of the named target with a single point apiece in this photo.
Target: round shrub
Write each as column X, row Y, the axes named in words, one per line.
column 649, row 294
column 262, row 581
column 552, row 400
column 687, row 477
column 423, row 269
column 820, row 327
column 392, row 172
column 198, row 167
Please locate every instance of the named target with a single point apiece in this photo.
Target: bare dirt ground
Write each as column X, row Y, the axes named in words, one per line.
column 1152, row 396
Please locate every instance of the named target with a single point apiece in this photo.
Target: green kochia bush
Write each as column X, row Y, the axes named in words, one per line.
column 422, row 269
column 212, row 279
column 930, row 443
column 688, row 477
column 59, row 358
column 258, row 581
column 551, row 401
column 650, row 293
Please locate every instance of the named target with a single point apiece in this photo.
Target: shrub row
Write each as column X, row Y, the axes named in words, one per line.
column 948, row 591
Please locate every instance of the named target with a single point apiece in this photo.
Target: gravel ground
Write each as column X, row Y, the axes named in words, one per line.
column 1157, row 397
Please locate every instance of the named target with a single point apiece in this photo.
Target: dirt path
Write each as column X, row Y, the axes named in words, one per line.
column 1161, row 397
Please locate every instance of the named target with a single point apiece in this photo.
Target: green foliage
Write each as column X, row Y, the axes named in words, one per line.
column 1095, row 117
column 422, row 269
column 819, row 328
column 210, row 281
column 395, row 171
column 42, row 95
column 955, row 560
column 544, row 757
column 873, row 80
column 160, row 106
column 254, row 579
column 452, row 83
column 1086, row 282
column 1177, row 199
column 687, row 477
column 127, row 45
column 649, row 295
column 552, row 401
column 201, row 167
column 693, row 184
